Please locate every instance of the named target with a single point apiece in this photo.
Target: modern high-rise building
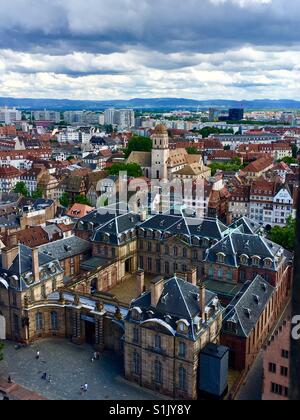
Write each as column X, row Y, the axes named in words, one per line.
column 46, row 115
column 236, row 114
column 9, row 115
column 122, row 118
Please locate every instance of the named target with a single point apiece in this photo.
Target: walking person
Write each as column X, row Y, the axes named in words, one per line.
column 37, row 355
column 85, row 388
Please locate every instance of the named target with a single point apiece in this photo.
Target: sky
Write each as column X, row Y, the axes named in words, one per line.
column 122, row 49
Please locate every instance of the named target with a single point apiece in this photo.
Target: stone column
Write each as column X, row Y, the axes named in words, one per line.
column 99, row 314
column 76, row 327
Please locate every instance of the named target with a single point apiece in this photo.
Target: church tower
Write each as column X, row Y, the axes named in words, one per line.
column 160, row 152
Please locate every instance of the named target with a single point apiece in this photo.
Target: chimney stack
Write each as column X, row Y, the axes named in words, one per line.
column 12, row 239
column 192, row 276
column 35, row 264
column 8, row 255
column 157, row 287
column 140, row 283
column 202, row 300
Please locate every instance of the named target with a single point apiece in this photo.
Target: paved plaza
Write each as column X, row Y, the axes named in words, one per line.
column 70, row 367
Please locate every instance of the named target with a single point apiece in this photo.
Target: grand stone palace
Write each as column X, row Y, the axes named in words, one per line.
column 152, row 288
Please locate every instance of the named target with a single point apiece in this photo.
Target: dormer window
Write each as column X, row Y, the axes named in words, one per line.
column 221, row 257
column 256, row 261
column 268, row 263
column 244, row 259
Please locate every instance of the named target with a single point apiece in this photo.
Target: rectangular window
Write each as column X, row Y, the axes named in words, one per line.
column 276, row 389
column 285, row 354
column 272, row 367
column 284, row 371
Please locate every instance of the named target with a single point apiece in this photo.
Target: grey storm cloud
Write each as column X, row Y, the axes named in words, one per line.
column 124, row 48
column 104, row 26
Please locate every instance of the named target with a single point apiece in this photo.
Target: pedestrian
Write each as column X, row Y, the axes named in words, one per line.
column 9, row 380
column 95, row 356
column 37, row 355
column 85, row 387
column 49, row 379
column 44, row 376
column 81, row 389
column 92, row 359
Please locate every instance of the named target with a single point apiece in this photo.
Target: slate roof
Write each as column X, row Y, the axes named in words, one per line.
column 9, row 221
column 178, row 225
column 178, row 301
column 116, row 228
column 66, row 248
column 249, row 226
column 246, row 308
column 22, row 266
column 236, row 244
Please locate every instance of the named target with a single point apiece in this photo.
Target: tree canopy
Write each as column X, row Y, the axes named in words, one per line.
column 138, row 144
column 133, row 169
column 81, row 199
column 234, row 165
column 285, row 236
column 288, row 160
column 64, row 199
column 21, row 188
column 38, row 193
column 192, row 150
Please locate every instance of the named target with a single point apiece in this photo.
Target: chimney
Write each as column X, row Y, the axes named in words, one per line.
column 8, row 255
column 140, row 283
column 192, row 276
column 35, row 264
column 202, row 300
column 157, row 287
column 143, row 216
column 12, row 239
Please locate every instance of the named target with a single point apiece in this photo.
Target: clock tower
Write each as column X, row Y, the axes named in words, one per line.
column 160, row 152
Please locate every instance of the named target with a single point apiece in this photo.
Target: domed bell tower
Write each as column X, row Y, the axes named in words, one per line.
column 160, row 152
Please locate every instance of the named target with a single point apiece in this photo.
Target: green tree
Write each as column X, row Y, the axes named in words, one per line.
column 81, row 199
column 38, row 193
column 288, row 160
column 138, row 144
column 192, row 150
column 21, row 188
column 64, row 200
column 133, row 169
column 234, row 165
column 285, row 236
column 295, row 151
column 69, row 158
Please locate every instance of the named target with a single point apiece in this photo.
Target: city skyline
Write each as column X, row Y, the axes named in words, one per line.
column 227, row 49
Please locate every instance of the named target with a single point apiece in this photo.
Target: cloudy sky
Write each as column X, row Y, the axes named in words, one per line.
column 121, row 49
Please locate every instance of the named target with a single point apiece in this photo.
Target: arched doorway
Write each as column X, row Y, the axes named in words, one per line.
column 2, row 327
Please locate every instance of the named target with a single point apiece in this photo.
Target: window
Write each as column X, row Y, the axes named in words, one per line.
column 175, row 251
column 149, row 264
column 141, row 262
column 43, row 292
column 158, row 372
column 167, row 250
column 167, row 267
column 211, row 272
column 182, row 379
column 136, row 335
column 158, row 266
column 16, row 324
column 279, row 390
column 229, row 276
column 136, row 363
column 272, row 367
column 184, row 253
column 53, row 285
column 54, row 321
column 38, row 321
column 284, row 371
column 285, row 354
column 221, row 258
column 158, row 247
column 149, row 247
column 184, row 268
column 157, row 342
column 182, row 350
column 220, row 274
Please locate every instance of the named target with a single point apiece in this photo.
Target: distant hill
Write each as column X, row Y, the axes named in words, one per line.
column 152, row 103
